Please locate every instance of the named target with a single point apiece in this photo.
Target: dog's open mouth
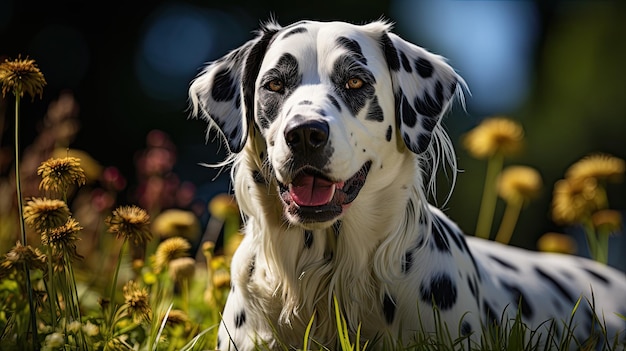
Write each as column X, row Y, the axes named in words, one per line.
column 312, row 197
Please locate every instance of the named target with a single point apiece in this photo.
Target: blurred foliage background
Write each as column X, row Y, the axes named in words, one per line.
column 557, row 67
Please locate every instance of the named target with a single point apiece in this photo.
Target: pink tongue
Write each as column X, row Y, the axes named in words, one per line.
column 309, row 190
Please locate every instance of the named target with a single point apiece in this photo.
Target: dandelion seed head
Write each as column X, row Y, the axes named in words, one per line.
column 557, row 242
column 138, row 300
column 21, row 76
column 58, row 174
column 63, row 238
column 177, row 317
column 223, row 206
column 607, row 220
column 44, row 214
column 598, row 166
column 519, row 183
column 175, row 222
column 131, row 223
column 20, row 255
column 572, row 201
column 494, row 135
column 169, row 250
column 182, row 268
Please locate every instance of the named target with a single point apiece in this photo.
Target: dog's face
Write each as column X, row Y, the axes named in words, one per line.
column 333, row 103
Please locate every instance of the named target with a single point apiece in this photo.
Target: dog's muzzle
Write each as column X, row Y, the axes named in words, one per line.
column 314, row 198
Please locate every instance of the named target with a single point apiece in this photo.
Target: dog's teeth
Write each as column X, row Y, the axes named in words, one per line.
column 331, row 193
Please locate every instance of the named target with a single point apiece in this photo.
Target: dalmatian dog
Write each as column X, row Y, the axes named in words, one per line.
column 334, row 132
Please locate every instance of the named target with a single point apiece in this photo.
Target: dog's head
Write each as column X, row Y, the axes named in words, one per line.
column 332, row 106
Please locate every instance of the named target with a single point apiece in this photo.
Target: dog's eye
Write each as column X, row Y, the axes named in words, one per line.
column 275, row 85
column 354, row 83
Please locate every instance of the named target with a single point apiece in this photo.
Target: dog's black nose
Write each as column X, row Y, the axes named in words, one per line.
column 304, row 136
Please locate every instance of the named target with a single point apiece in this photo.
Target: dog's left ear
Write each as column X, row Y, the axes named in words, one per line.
column 424, row 85
column 223, row 93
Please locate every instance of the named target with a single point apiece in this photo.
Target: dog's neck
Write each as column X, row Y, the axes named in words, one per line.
column 337, row 261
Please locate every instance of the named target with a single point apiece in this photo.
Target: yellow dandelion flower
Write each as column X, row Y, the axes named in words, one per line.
column 221, row 279
column 131, row 223
column 58, row 174
column 92, row 168
column 175, row 222
column 21, row 76
column 557, row 242
column 574, row 200
column 177, row 317
column 519, row 183
column 63, row 238
column 608, row 221
column 137, row 300
column 494, row 135
column 169, row 250
column 44, row 214
column 223, row 206
column 182, row 268
column 599, row 166
column 21, row 255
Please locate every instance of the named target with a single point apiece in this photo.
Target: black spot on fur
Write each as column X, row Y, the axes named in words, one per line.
column 251, row 266
column 258, row 177
column 423, row 140
column 441, row 290
column 429, row 106
column 472, row 286
column 429, row 123
column 353, row 47
column 504, row 263
column 456, row 238
column 391, row 54
column 453, row 86
column 294, row 31
column 320, row 112
column 407, row 261
column 346, row 67
column 466, row 328
column 250, row 73
column 424, row 67
column 389, row 309
column 464, row 243
column 408, row 114
column 375, row 112
column 597, row 275
column 270, row 102
column 223, row 86
column 308, row 239
column 334, row 102
column 240, row 319
column 441, row 239
column 388, row 135
column 489, row 314
column 305, row 102
column 555, row 283
column 519, row 300
column 337, row 228
column 405, row 62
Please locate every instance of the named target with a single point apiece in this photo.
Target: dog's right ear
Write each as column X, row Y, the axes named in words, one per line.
column 223, row 93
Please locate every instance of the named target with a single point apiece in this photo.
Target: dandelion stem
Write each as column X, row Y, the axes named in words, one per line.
column 116, row 272
column 52, row 296
column 509, row 220
column 488, row 202
column 18, row 185
column 602, row 248
column 592, row 239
